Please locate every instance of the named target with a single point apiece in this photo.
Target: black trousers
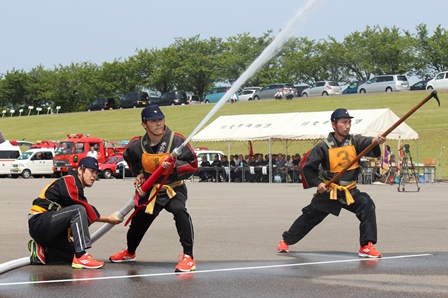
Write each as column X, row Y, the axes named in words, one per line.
column 142, row 221
column 51, row 230
column 364, row 208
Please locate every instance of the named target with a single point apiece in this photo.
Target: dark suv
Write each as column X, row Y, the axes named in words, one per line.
column 135, row 100
column 102, row 104
column 172, row 98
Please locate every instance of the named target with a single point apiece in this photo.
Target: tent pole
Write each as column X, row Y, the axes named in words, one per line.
column 270, row 160
column 228, row 155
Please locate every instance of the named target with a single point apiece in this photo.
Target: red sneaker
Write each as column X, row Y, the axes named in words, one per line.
column 86, row 261
column 369, row 251
column 122, row 256
column 186, row 264
column 282, row 247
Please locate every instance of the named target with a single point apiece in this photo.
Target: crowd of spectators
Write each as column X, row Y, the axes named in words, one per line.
column 251, row 168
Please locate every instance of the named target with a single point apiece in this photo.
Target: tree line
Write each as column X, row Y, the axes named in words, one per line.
column 194, row 64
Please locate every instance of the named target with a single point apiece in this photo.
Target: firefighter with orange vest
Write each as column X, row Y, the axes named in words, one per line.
column 319, row 166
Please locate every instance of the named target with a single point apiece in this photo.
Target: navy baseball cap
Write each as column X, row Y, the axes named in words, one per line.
column 152, row 112
column 89, row 162
column 340, row 113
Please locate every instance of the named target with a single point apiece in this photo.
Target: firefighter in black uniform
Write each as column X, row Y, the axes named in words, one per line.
column 144, row 155
column 61, row 211
column 332, row 154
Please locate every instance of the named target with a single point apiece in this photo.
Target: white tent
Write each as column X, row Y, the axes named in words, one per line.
column 312, row 126
column 300, row 126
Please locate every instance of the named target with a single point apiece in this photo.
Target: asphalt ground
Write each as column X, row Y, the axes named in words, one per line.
column 237, row 228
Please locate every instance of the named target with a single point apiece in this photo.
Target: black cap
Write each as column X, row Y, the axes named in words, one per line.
column 340, row 113
column 89, row 162
column 152, row 112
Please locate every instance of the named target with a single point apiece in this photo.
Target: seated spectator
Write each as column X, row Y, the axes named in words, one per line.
column 280, row 167
column 251, row 164
column 204, row 173
column 218, row 171
column 296, row 164
column 289, row 169
column 232, row 164
column 267, row 163
column 259, row 164
column 226, row 167
column 239, row 169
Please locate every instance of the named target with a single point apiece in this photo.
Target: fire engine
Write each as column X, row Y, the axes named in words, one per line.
column 75, row 147
column 45, row 144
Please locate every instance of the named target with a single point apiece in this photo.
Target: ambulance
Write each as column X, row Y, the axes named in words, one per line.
column 9, row 151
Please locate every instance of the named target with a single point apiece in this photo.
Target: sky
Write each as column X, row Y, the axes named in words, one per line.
column 61, row 32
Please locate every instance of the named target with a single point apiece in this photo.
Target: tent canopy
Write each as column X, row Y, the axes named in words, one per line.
column 300, row 126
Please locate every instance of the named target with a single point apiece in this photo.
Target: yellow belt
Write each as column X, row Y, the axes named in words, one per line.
column 169, row 191
column 37, row 209
column 334, row 188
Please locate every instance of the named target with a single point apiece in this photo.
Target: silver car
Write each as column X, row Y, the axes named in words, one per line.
column 322, row 88
column 385, row 83
column 268, row 91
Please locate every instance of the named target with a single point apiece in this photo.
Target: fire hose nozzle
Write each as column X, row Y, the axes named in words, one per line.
column 176, row 152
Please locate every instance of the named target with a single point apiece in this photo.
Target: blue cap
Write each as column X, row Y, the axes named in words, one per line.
column 340, row 113
column 152, row 112
column 89, row 162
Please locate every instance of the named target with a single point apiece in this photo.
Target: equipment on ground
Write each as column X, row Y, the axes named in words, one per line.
column 407, row 173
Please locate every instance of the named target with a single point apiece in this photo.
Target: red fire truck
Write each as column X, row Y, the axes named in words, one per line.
column 75, row 147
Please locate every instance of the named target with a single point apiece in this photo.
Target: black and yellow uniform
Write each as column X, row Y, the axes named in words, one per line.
column 142, row 158
column 60, row 212
column 324, row 161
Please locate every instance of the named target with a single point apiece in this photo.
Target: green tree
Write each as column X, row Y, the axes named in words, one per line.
column 13, row 92
column 432, row 51
column 197, row 63
column 238, row 54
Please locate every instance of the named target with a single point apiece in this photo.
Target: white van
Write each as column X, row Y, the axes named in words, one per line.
column 439, row 82
column 385, row 83
column 210, row 154
column 34, row 162
column 9, row 151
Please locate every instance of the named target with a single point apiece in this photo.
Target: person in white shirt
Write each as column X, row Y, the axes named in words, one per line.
column 92, row 152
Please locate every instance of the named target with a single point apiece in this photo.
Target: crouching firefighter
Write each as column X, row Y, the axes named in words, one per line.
column 60, row 217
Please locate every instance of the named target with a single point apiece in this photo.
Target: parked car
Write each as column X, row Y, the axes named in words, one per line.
column 109, row 166
column 353, row 87
column 250, row 88
column 420, row 85
column 323, row 88
column 102, row 104
column 299, row 89
column 385, row 83
column 209, row 154
column 135, row 100
column 172, row 98
column 36, row 162
column 246, row 95
column 194, row 99
column 122, row 166
column 440, row 81
column 268, row 91
column 217, row 93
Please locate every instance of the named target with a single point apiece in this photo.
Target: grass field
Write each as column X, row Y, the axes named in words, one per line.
column 118, row 125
